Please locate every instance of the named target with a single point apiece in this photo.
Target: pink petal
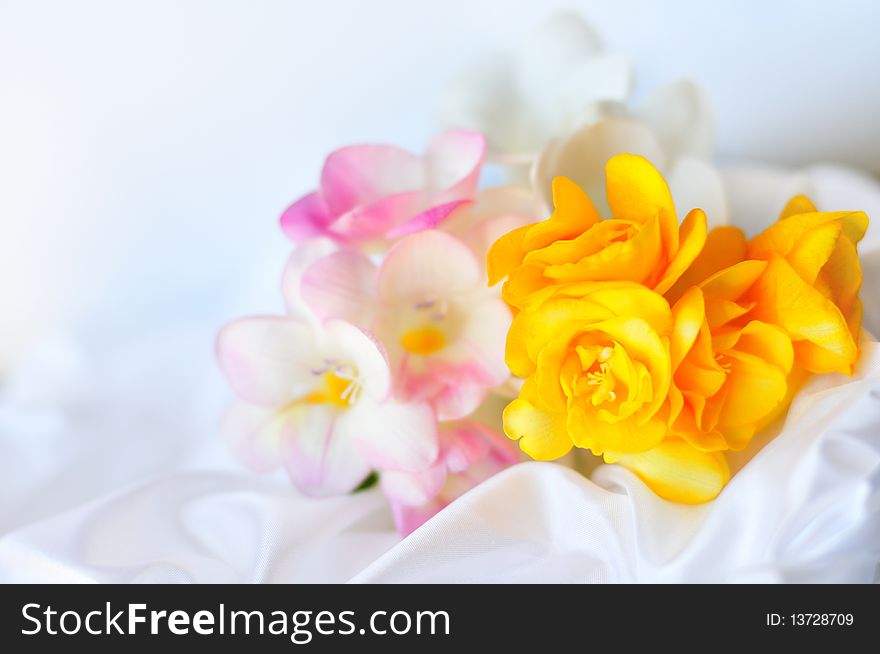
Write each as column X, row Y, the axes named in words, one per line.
column 320, row 460
column 413, row 488
column 304, row 255
column 306, row 218
column 359, row 175
column 429, row 265
column 341, row 285
column 267, row 361
column 429, row 219
column 371, row 221
column 392, row 435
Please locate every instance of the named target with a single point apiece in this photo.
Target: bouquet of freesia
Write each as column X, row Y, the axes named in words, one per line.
column 597, row 299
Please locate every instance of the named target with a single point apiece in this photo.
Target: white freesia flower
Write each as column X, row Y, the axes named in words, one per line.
column 559, row 105
column 520, row 100
column 672, row 129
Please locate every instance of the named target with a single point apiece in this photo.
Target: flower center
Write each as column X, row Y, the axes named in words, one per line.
column 723, row 362
column 601, row 377
column 338, row 384
column 423, row 340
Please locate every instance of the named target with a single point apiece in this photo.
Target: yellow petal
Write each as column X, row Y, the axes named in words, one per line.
column 516, row 353
column 797, row 205
column 784, row 299
column 561, row 318
column 524, row 283
column 506, row 254
column 541, row 434
column 767, row 342
column 634, row 259
column 588, row 431
column 755, row 388
column 589, row 242
column 725, row 246
column 843, row 275
column 688, row 315
column 676, row 471
column 731, row 283
column 781, row 236
column 622, row 298
column 813, row 250
column 573, row 215
column 643, row 344
column 693, row 238
column 637, row 191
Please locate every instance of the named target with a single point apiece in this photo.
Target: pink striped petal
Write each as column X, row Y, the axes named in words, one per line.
column 267, row 361
column 429, row 219
column 371, row 221
column 427, row 266
column 392, row 435
column 320, row 460
column 341, row 285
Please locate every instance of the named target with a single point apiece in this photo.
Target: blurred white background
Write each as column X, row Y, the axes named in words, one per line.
column 147, row 149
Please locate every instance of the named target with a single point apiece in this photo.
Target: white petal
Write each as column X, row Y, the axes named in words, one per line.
column 254, row 435
column 604, row 78
column 300, row 260
column 341, row 285
column 695, row 183
column 320, row 460
column 581, row 156
column 268, row 361
column 681, row 117
column 428, row 265
column 344, row 343
column 392, row 435
column 484, row 98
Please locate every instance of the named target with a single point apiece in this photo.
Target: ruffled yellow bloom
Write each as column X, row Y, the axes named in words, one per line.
column 660, row 347
column 596, row 363
column 641, row 243
column 812, row 282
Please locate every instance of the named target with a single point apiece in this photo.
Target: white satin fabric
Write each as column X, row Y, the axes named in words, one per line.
column 112, row 470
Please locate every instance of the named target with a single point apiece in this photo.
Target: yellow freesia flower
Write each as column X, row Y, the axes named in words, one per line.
column 642, row 241
column 811, row 285
column 596, row 362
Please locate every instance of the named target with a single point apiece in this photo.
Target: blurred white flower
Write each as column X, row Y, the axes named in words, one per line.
column 519, row 100
column 672, row 129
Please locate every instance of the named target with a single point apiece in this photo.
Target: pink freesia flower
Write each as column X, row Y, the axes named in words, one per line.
column 372, row 192
column 429, row 305
column 470, row 453
column 314, row 397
